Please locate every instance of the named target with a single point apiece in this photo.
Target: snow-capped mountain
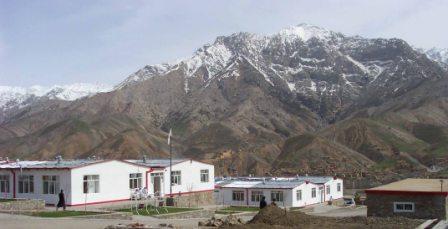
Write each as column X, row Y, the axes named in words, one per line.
column 19, row 97
column 306, row 60
column 440, row 55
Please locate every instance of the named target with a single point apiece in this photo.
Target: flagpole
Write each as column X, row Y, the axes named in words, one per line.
column 171, row 164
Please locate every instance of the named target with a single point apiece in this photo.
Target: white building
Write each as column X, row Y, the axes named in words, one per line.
column 101, row 181
column 287, row 192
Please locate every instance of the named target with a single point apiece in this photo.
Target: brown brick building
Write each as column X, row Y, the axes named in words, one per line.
column 413, row 198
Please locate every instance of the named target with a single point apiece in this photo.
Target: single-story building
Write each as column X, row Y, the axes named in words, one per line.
column 100, row 181
column 413, row 198
column 287, row 192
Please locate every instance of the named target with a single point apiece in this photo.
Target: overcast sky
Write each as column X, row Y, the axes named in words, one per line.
column 62, row 42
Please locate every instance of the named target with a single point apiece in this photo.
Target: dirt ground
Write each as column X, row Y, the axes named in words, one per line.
column 9, row 221
column 274, row 217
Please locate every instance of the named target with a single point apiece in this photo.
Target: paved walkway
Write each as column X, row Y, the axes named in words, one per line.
column 28, row 222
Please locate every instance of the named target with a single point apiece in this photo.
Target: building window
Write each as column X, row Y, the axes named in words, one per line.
column 26, row 184
column 276, row 196
column 339, row 187
column 328, row 190
column 135, row 180
column 175, row 178
column 204, row 175
column 91, row 184
column 299, row 195
column 50, row 184
column 238, row 196
column 4, row 183
column 313, row 193
column 404, row 207
column 255, row 196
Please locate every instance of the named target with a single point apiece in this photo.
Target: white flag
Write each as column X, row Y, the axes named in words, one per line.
column 169, row 137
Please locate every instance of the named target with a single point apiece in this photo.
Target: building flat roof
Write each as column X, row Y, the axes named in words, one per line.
column 64, row 164
column 413, row 185
column 70, row 164
column 157, row 162
column 278, row 184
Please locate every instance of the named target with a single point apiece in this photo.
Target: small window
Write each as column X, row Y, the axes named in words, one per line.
column 299, row 195
column 339, row 187
column 328, row 190
column 255, row 196
column 313, row 193
column 26, row 184
column 135, row 180
column 238, row 196
column 204, row 175
column 4, row 183
column 176, row 178
column 404, row 207
column 277, row 196
column 50, row 184
column 91, row 184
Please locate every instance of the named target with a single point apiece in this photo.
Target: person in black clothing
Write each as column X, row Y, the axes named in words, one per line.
column 61, row 202
column 263, row 202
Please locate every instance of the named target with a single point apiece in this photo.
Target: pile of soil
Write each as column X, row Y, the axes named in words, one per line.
column 275, row 217
column 230, row 220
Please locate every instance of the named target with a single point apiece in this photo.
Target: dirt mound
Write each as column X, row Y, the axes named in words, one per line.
column 273, row 215
column 230, row 220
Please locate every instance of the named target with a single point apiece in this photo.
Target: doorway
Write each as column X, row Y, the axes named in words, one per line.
column 157, row 181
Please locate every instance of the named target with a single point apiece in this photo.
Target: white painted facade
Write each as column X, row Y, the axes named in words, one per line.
column 224, row 192
column 107, row 180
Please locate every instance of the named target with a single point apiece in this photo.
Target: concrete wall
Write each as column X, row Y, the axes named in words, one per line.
column 194, row 199
column 22, row 205
column 113, row 178
column 426, row 206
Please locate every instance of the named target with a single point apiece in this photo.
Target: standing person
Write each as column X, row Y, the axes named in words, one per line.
column 263, row 202
column 61, row 202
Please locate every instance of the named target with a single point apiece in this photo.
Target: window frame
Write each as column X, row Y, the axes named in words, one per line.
column 299, row 191
column 238, row 195
column 135, row 180
column 313, row 193
column 396, row 210
column 205, row 173
column 25, row 184
column 328, row 189
column 4, row 183
column 89, row 181
column 277, row 194
column 176, row 177
column 339, row 187
column 50, row 184
column 256, row 195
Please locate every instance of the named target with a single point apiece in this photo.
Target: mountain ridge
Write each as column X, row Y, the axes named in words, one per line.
column 241, row 101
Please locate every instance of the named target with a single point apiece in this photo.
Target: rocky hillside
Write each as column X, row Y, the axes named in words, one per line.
column 303, row 100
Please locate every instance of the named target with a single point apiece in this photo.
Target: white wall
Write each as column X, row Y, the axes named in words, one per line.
column 307, row 199
column 334, row 194
column 64, row 183
column 114, row 181
column 225, row 197
column 190, row 177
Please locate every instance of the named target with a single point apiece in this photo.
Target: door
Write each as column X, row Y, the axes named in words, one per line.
column 321, row 194
column 157, row 185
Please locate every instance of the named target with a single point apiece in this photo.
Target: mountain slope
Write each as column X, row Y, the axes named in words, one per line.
column 246, row 101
